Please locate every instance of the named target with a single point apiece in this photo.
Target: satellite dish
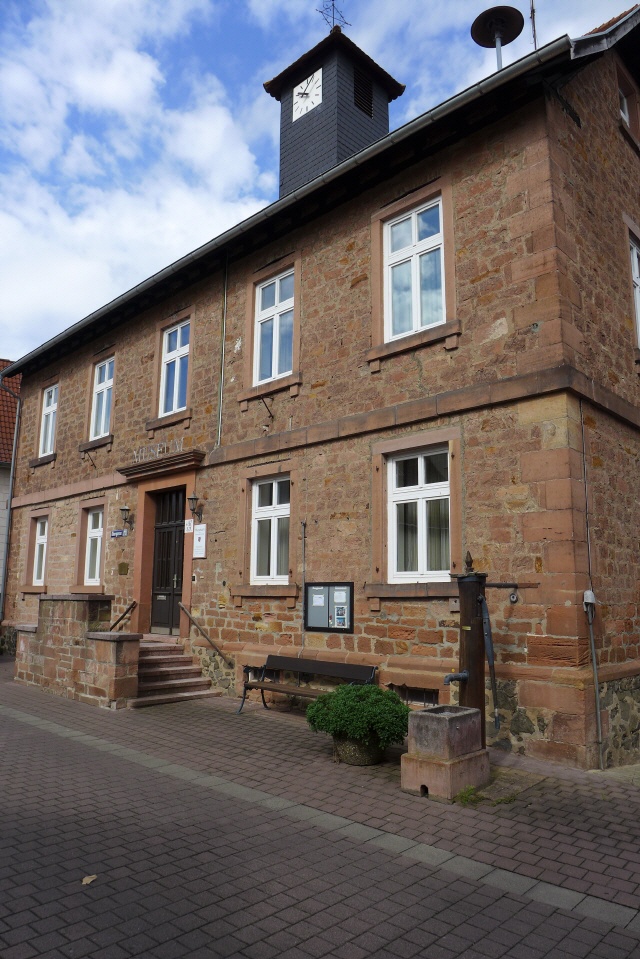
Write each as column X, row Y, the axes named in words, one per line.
column 497, row 27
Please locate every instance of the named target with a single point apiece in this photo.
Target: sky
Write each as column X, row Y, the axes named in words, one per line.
column 133, row 131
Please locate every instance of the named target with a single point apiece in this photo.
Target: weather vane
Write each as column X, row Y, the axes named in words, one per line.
column 332, row 15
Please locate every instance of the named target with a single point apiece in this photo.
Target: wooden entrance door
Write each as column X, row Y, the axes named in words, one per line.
column 168, row 555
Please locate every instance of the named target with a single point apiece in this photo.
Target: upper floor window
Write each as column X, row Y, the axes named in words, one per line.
column 40, row 550
column 93, row 551
column 273, row 338
column 418, row 516
column 102, row 396
column 48, row 421
column 414, row 271
column 635, row 272
column 629, row 100
column 271, row 509
column 175, row 369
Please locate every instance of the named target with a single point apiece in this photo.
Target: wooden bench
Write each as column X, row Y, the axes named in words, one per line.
column 304, row 669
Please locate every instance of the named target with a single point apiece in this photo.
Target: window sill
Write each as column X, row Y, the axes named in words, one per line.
column 293, row 382
column 81, row 590
column 171, row 419
column 289, row 592
column 30, row 589
column 376, row 592
column 96, row 444
column 449, row 332
column 629, row 135
column 43, row 460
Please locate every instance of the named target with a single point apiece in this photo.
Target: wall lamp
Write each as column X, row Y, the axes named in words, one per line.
column 126, row 519
column 193, row 506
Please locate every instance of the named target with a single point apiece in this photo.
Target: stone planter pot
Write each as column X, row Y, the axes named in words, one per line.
column 355, row 753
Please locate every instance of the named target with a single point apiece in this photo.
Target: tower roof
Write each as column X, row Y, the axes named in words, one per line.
column 335, row 39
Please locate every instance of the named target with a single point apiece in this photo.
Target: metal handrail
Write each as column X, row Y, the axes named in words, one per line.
column 122, row 616
column 184, row 609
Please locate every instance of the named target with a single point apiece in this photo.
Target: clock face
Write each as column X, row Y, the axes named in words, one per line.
column 307, row 95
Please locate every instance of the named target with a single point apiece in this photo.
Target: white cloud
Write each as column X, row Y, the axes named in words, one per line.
column 133, row 131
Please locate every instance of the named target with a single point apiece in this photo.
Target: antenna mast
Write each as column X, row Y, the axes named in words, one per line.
column 533, row 25
column 331, row 15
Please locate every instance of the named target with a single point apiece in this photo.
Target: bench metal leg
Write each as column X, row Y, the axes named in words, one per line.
column 264, row 702
column 244, row 696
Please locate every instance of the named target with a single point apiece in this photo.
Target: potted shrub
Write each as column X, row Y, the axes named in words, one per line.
column 363, row 721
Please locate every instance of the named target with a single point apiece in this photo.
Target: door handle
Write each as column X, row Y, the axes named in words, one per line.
column 175, row 580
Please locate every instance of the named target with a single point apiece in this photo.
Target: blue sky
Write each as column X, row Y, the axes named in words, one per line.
column 132, row 131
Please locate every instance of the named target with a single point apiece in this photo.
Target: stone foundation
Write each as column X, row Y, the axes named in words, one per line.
column 620, row 706
column 71, row 654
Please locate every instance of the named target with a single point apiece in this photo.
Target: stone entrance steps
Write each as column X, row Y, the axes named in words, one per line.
column 166, row 674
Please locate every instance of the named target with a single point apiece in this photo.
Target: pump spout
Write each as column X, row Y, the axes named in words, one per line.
column 456, row 677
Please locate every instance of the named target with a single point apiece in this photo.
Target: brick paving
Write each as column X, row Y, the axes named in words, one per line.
column 212, row 834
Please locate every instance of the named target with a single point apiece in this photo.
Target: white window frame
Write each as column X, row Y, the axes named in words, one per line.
column 634, row 249
column 273, row 513
column 412, row 253
column 422, row 494
column 94, row 535
column 48, row 420
column 173, row 358
column 273, row 314
column 40, row 538
column 102, row 399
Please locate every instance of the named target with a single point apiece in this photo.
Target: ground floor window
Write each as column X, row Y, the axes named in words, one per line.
column 40, row 550
column 270, row 514
column 93, row 552
column 418, row 516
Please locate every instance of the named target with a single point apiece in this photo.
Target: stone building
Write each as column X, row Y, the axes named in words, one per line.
column 431, row 347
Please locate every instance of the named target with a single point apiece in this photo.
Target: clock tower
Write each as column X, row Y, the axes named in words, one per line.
column 334, row 103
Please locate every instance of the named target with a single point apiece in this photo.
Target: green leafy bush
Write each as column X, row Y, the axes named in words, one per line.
column 364, row 713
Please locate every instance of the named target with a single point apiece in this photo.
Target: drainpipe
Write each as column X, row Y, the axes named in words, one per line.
column 12, row 476
column 222, row 348
column 303, row 526
column 589, row 598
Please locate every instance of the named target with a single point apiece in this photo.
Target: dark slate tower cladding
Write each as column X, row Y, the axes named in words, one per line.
column 334, row 103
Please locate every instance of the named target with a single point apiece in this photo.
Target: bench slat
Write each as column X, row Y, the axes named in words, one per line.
column 316, row 667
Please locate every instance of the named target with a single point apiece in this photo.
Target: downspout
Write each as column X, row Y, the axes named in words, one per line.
column 222, row 349
column 589, row 603
column 12, row 476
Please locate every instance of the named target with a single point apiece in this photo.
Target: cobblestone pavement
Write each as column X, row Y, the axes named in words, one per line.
column 191, row 831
